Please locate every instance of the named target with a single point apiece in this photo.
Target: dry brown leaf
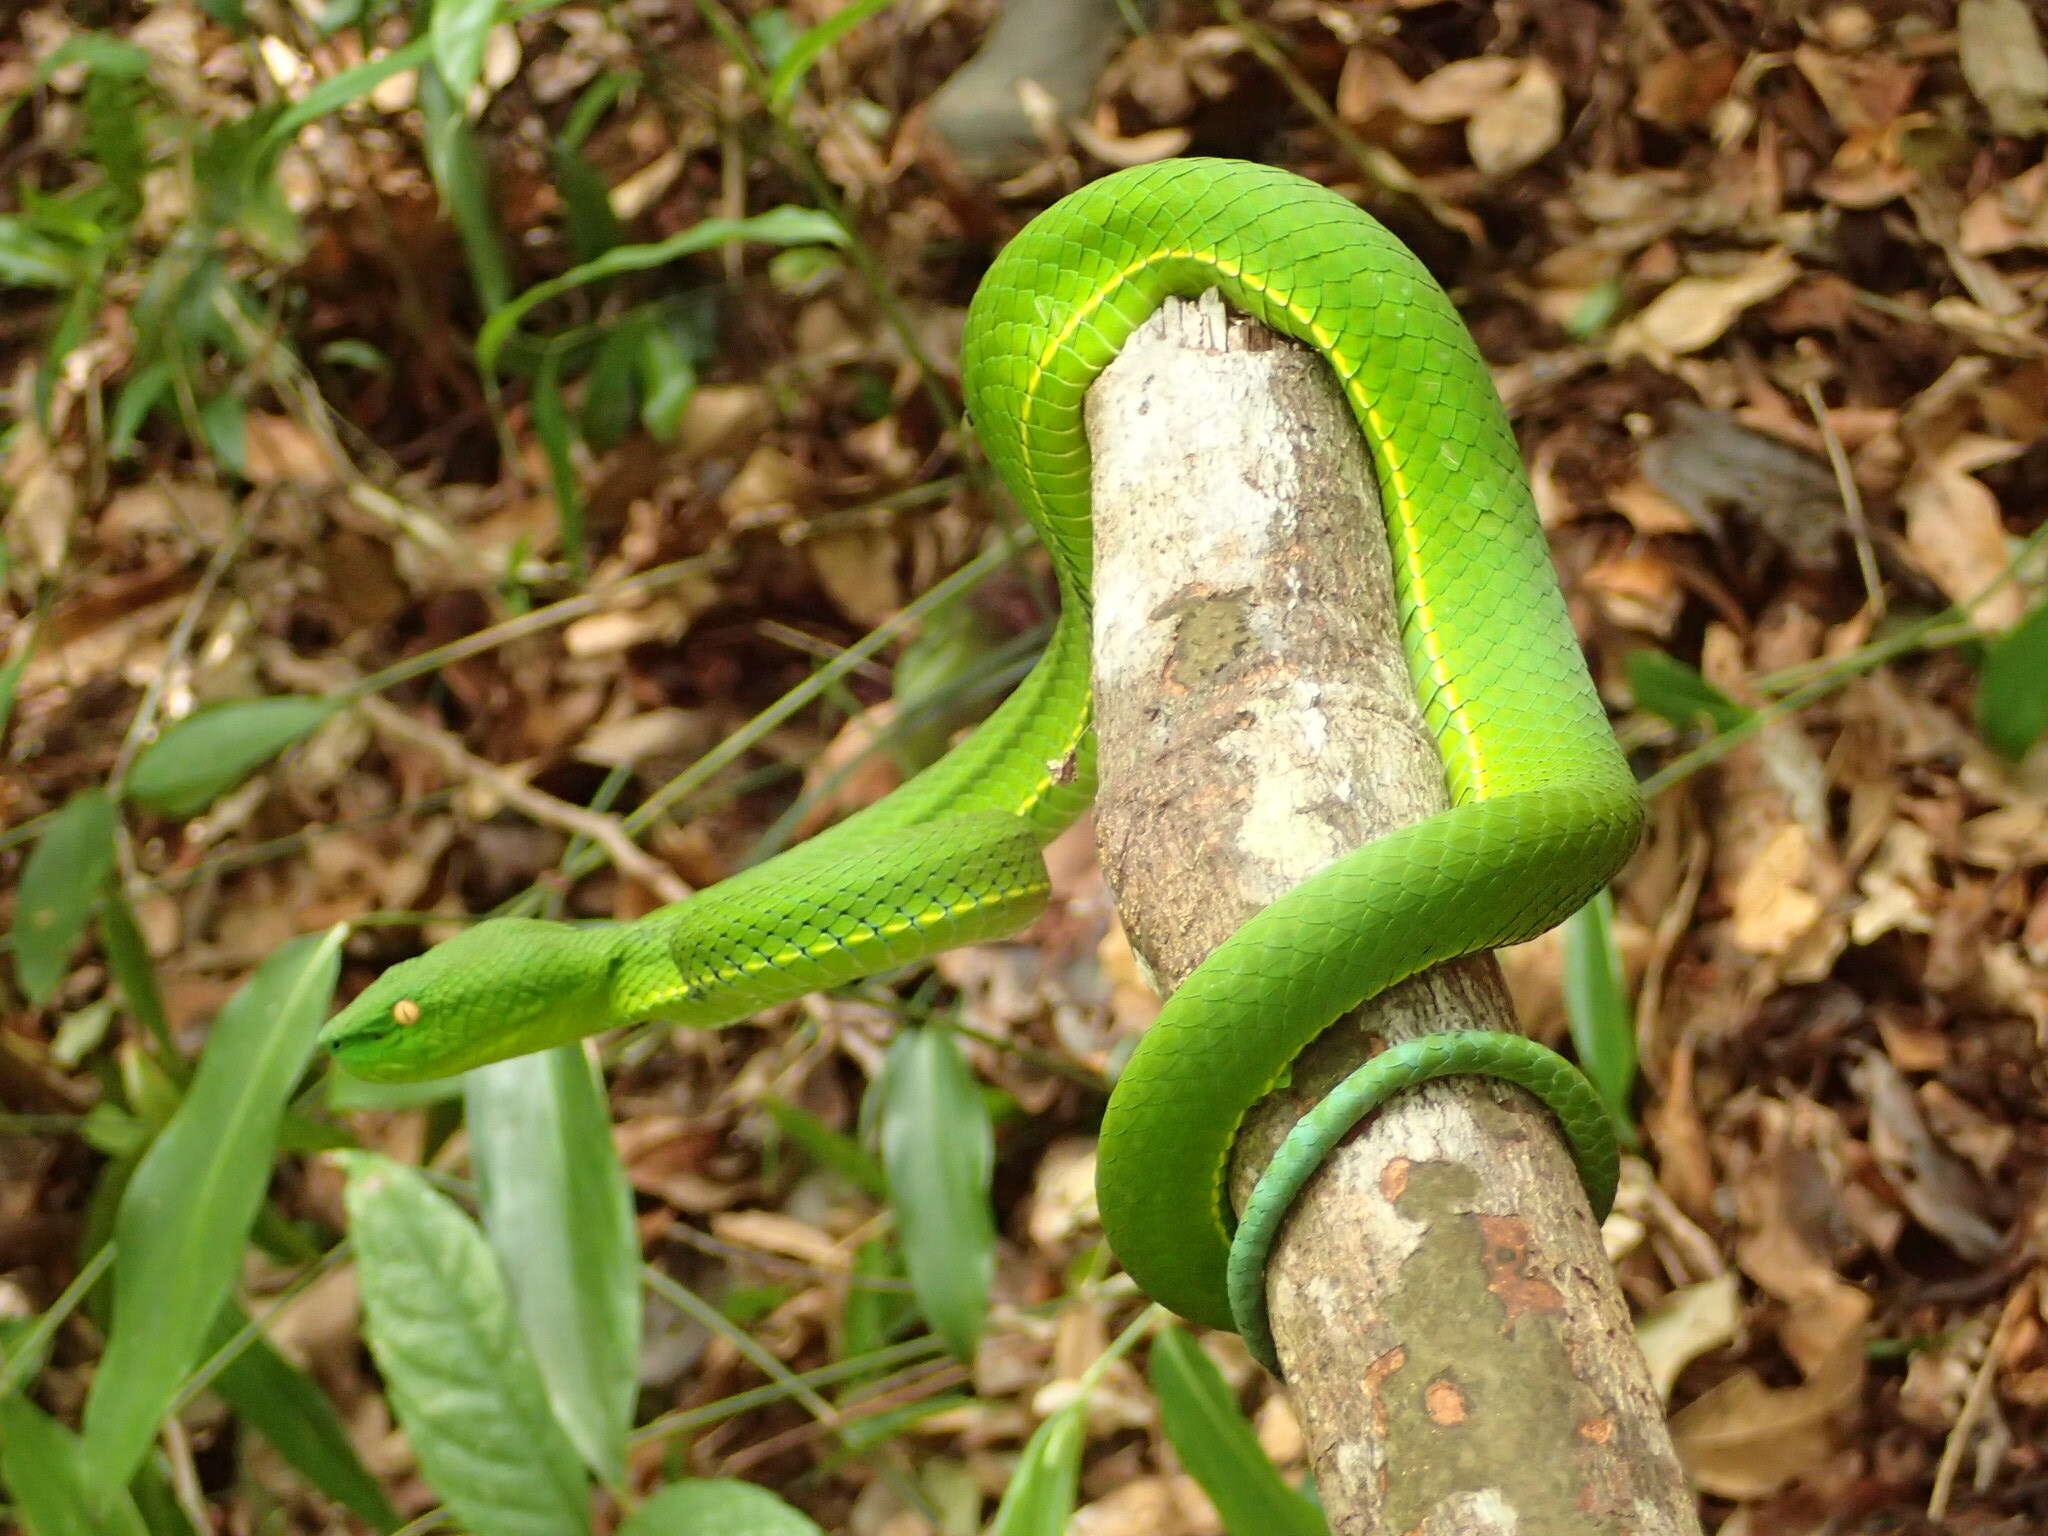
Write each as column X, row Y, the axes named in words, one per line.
column 1138, row 149
column 1520, row 125
column 1896, row 885
column 1648, row 510
column 1743, row 1440
column 773, row 1232
column 280, row 451
column 1999, row 42
column 1707, row 461
column 1459, row 89
column 770, row 486
column 1686, row 1324
column 720, row 417
column 1774, row 902
column 45, row 497
column 2012, row 214
column 857, row 567
column 1696, row 312
column 1954, row 528
column 1937, row 1189
column 1639, row 589
column 1793, row 1201
column 1682, row 88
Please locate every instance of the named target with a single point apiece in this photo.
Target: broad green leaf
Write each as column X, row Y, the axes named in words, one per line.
column 791, row 68
column 611, row 389
column 464, row 182
column 128, row 958
column 201, row 757
column 1596, row 1004
column 156, row 1501
column 939, row 1151
column 778, row 226
column 774, row 34
column 717, row 1506
column 558, row 1209
column 224, row 422
column 52, row 1488
column 873, row 1314
column 184, row 1217
column 2012, row 699
column 460, row 1378
column 1040, row 1498
column 147, row 385
column 29, row 258
column 587, row 213
column 668, row 377
column 457, row 30
column 1667, row 687
column 282, row 1404
column 1218, row 1447
column 62, row 877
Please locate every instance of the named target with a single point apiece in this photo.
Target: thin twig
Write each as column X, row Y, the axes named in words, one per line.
column 1852, row 501
column 601, row 831
column 1976, row 1400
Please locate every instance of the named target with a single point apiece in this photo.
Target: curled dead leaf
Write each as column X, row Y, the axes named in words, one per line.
column 1696, row 312
column 1520, row 125
column 1955, row 530
column 1743, row 1439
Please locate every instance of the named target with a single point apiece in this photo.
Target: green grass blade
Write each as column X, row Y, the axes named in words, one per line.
column 551, row 426
column 1218, row 1447
column 717, row 1506
column 828, row 1148
column 938, row 1149
column 45, row 1471
column 778, row 226
column 282, row 1404
column 134, row 972
column 203, row 756
column 441, row 1327
column 184, row 1218
column 457, row 29
column 1596, row 1004
column 810, row 47
column 464, row 181
column 1040, row 1498
column 58, row 885
column 558, row 1210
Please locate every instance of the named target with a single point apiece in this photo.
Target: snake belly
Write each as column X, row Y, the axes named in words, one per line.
column 1544, row 808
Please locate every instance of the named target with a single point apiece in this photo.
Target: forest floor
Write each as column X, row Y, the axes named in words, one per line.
column 1763, row 288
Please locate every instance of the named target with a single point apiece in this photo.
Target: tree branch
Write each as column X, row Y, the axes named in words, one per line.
column 1451, row 1331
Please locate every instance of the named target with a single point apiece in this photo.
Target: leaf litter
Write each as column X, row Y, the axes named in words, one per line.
column 1671, row 229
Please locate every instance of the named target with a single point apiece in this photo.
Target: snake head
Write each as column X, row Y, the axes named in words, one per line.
column 503, row 988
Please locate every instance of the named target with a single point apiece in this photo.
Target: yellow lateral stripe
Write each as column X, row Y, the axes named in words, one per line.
column 693, row 989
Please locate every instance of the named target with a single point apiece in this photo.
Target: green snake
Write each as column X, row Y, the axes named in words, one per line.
column 1544, row 808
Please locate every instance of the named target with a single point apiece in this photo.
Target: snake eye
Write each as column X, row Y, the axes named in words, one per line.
column 405, row 1011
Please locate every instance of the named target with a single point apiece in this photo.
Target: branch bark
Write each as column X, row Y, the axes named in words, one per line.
column 1457, row 1348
